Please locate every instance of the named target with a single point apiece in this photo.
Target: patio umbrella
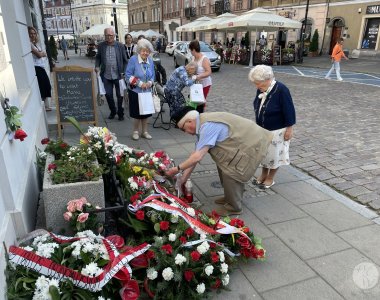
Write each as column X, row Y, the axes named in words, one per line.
column 212, row 24
column 151, row 33
column 258, row 19
column 135, row 34
column 189, row 26
column 66, row 36
column 96, row 30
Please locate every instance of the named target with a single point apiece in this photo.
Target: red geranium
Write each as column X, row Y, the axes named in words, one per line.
column 140, row 215
column 164, row 225
column 195, row 255
column 188, row 275
column 52, row 167
column 20, row 134
column 45, row 141
column 167, row 248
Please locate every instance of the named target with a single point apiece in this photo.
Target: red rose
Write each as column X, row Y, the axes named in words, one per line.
column 52, row 167
column 117, row 240
column 63, row 145
column 189, row 231
column 140, row 154
column 20, row 134
column 246, row 229
column 183, row 239
column 188, row 275
column 195, row 255
column 159, row 154
column 150, row 162
column 243, row 242
column 217, row 283
column 257, row 253
column 164, row 225
column 237, row 223
column 214, row 257
column 167, row 248
column 135, row 197
column 130, row 290
column 212, row 245
column 215, row 215
column 246, row 252
column 45, row 141
column 140, row 215
column 150, row 254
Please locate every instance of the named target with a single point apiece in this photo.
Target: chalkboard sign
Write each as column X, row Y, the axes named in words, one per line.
column 75, row 97
column 276, row 54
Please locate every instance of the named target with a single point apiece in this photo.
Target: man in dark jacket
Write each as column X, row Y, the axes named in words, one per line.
column 110, row 61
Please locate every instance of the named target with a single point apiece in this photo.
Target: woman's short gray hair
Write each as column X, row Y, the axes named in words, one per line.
column 144, row 44
column 261, row 73
column 193, row 65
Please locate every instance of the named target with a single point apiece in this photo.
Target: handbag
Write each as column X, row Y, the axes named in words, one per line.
column 122, row 86
column 102, row 90
column 156, row 100
column 146, row 106
column 196, row 94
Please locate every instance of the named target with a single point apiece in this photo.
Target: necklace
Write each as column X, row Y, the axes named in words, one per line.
column 129, row 51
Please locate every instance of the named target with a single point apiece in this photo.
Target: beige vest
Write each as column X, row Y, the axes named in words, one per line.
column 240, row 154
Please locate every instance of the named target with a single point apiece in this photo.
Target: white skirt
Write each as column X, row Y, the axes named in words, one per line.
column 278, row 151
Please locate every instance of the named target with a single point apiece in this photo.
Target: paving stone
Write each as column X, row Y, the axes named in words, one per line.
column 356, row 191
column 366, row 198
column 308, row 238
column 338, row 269
column 365, row 239
column 281, row 267
column 300, row 192
column 253, row 222
column 370, row 167
column 344, row 185
column 324, row 176
column 311, row 289
column 210, row 185
column 335, row 215
column 351, row 171
column 335, row 180
column 274, row 209
column 375, row 204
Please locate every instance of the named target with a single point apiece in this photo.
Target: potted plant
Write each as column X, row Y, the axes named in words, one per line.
column 313, row 48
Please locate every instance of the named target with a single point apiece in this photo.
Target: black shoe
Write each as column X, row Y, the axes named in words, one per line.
column 111, row 117
column 121, row 118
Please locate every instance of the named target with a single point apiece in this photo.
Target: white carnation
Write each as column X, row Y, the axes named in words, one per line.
column 167, row 274
column 134, row 186
column 151, row 273
column 191, row 211
column 180, row 259
column 91, row 270
column 174, row 218
column 224, row 268
column 201, row 288
column 225, row 279
column 172, row 237
column 221, row 256
column 208, row 270
column 203, row 248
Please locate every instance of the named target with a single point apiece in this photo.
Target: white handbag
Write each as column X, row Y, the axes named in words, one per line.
column 156, row 100
column 146, row 106
column 122, row 86
column 102, row 90
column 196, row 94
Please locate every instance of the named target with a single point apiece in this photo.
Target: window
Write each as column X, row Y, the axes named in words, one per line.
column 177, row 5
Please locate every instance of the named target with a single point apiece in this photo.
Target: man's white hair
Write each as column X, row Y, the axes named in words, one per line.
column 261, row 73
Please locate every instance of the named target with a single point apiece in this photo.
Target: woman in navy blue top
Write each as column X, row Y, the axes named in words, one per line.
column 140, row 77
column 274, row 111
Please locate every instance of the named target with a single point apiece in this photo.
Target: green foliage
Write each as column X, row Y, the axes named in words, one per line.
column 314, row 42
column 53, row 48
column 246, row 39
column 12, row 118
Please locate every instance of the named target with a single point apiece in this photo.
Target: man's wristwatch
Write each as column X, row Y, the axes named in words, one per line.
column 178, row 169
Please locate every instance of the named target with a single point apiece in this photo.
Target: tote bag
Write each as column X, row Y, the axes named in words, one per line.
column 196, row 94
column 156, row 100
column 146, row 106
column 122, row 86
column 102, row 90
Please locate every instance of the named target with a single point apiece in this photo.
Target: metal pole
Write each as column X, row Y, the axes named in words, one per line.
column 324, row 31
column 72, row 25
column 115, row 20
column 304, row 23
column 46, row 38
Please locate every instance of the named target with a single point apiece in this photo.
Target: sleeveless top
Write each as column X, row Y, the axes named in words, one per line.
column 38, row 61
column 205, row 81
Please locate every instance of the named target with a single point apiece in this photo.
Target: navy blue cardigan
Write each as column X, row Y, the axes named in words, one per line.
column 278, row 109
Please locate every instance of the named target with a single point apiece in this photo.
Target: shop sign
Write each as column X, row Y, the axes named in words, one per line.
column 371, row 32
column 373, row 9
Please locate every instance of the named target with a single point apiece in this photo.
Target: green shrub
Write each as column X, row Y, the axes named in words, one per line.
column 314, row 42
column 53, row 48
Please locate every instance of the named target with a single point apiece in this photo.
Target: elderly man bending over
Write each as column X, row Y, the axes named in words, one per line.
column 237, row 145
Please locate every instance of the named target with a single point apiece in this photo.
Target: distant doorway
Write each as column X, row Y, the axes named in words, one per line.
column 336, row 33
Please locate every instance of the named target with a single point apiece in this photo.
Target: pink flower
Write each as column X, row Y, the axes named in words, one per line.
column 52, row 167
column 67, row 215
column 71, row 206
column 82, row 217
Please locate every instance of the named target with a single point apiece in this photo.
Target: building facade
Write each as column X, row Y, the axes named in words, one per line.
column 145, row 14
column 58, row 17
column 19, row 186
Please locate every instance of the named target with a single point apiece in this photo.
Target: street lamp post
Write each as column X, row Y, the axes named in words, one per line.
column 303, row 28
column 72, row 26
column 48, row 52
column 115, row 19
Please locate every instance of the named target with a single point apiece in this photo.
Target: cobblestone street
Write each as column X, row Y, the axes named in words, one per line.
column 337, row 132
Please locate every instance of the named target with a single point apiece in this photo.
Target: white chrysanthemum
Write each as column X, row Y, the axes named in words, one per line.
column 191, row 211
column 172, row 237
column 151, row 273
column 224, row 268
column 41, row 239
column 134, row 186
column 174, row 218
column 42, row 288
column 167, row 274
column 221, row 256
column 209, row 269
column 46, row 250
column 88, row 248
column 201, row 288
column 202, row 236
column 91, row 270
column 225, row 279
column 203, row 248
column 179, row 259
column 97, row 145
column 87, row 234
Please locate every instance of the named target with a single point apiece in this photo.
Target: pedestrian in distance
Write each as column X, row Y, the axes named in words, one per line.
column 237, row 146
column 140, row 77
column 181, row 77
column 274, row 111
column 129, row 46
column 336, row 57
column 110, row 61
column 64, row 48
column 158, row 45
column 39, row 57
column 262, row 42
column 203, row 70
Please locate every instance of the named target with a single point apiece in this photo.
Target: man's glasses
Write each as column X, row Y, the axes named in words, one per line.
column 109, row 35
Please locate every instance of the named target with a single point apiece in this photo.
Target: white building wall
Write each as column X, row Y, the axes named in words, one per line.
column 18, row 179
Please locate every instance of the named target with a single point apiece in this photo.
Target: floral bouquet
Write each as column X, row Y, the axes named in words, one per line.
column 82, row 267
column 79, row 214
column 56, row 148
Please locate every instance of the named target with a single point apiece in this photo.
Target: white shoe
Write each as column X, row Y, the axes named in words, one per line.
column 340, row 79
column 135, row 135
column 146, row 135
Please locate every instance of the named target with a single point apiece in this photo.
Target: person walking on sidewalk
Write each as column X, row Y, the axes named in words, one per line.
column 64, row 48
column 274, row 111
column 110, row 61
column 237, row 146
column 336, row 57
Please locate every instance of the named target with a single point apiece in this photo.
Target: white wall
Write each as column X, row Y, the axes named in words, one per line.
column 18, row 179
